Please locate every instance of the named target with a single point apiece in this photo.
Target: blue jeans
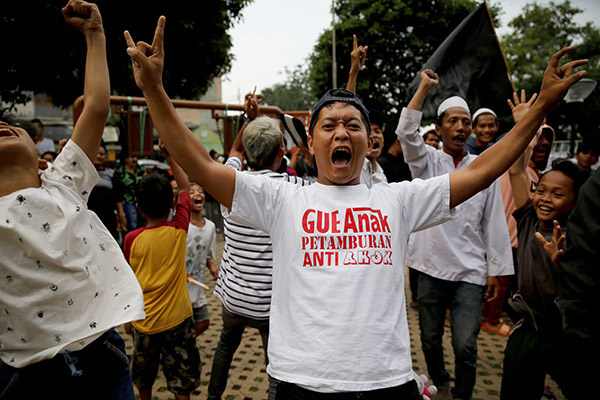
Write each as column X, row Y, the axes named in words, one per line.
column 465, row 301
column 135, row 219
column 231, row 336
column 98, row 371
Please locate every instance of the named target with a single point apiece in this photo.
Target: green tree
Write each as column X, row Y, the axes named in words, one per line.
column 292, row 95
column 537, row 33
column 42, row 54
column 401, row 36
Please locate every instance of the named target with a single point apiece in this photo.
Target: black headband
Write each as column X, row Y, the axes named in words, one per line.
column 338, row 96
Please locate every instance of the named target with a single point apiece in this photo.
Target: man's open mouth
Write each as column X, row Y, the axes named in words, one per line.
column 376, row 145
column 459, row 139
column 341, row 157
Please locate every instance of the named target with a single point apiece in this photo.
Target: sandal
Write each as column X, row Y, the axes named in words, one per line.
column 501, row 329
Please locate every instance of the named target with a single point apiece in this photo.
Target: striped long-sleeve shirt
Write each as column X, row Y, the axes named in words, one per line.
column 244, row 283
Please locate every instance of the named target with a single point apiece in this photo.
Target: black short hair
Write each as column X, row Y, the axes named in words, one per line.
column 38, row 121
column 154, row 195
column 52, row 153
column 376, row 117
column 431, row 132
column 589, row 143
column 571, row 170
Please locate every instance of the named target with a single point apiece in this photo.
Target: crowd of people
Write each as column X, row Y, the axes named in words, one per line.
column 315, row 246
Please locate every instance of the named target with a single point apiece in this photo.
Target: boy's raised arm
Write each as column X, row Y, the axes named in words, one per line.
column 516, row 171
column 183, row 183
column 193, row 157
column 87, row 133
column 494, row 161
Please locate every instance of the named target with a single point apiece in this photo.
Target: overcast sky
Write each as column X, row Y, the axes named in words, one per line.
column 275, row 34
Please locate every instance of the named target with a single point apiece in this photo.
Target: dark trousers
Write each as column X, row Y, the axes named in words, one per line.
column 413, row 279
column 529, row 356
column 231, row 336
column 290, row 391
column 465, row 301
column 98, row 371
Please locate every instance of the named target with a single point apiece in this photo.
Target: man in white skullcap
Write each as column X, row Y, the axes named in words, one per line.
column 458, row 261
column 485, row 127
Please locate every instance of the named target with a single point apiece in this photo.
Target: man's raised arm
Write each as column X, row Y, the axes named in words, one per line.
column 494, row 161
column 357, row 60
column 414, row 150
column 185, row 148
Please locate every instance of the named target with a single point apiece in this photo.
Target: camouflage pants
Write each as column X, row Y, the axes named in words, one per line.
column 174, row 349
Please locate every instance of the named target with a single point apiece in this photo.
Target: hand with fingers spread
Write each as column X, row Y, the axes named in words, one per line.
column 554, row 247
column 148, row 60
column 558, row 79
column 83, row 16
column 520, row 107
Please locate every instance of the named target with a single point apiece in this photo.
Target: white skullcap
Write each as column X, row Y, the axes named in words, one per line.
column 484, row 111
column 453, row 101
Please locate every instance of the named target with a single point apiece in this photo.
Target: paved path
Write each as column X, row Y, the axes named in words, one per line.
column 248, row 379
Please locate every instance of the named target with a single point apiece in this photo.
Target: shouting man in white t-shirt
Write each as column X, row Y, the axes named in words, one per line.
column 338, row 313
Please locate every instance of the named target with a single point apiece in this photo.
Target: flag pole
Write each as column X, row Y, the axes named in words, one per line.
column 500, row 46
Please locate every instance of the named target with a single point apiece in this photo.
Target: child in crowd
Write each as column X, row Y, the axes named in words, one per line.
column 65, row 283
column 156, row 254
column 587, row 155
column 537, row 344
column 201, row 250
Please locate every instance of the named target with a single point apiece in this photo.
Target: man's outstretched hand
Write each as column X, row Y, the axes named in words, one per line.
column 558, row 79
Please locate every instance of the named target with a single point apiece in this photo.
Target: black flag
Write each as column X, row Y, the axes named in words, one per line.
column 470, row 64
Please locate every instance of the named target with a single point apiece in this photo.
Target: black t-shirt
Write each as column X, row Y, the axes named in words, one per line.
column 537, row 273
column 394, row 168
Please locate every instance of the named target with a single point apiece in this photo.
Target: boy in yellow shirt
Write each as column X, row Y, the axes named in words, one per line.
column 156, row 254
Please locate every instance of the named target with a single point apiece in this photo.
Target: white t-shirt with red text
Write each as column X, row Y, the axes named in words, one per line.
column 338, row 313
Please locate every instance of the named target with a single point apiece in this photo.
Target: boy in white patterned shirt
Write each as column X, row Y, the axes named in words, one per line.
column 64, row 282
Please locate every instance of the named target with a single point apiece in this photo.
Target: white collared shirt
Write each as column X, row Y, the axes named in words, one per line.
column 370, row 175
column 470, row 247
